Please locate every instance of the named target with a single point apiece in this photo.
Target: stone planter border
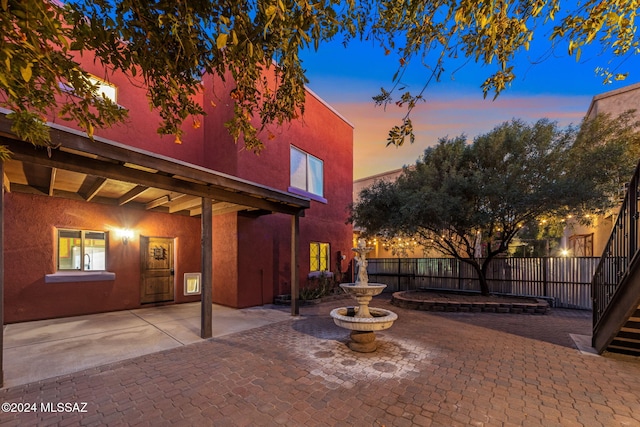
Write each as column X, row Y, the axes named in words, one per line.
column 403, row 299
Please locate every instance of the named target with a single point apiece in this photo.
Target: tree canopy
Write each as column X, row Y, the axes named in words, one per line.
column 460, row 197
column 171, row 44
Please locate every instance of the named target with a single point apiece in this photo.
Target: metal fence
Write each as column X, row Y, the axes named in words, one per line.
column 567, row 280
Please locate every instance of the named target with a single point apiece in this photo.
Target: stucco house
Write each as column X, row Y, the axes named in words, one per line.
column 125, row 221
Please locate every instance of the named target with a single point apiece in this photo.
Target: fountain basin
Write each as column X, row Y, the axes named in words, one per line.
column 367, row 289
column 381, row 319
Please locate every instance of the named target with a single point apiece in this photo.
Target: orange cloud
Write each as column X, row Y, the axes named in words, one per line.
column 441, row 117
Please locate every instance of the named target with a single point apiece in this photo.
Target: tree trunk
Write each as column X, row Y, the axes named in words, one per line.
column 481, row 271
column 484, row 285
column 482, row 277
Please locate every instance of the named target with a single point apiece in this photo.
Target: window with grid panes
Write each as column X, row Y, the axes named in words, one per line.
column 319, row 256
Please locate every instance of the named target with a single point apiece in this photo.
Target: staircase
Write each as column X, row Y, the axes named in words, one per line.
column 615, row 289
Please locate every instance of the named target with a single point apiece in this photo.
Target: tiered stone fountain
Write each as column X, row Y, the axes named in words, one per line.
column 363, row 320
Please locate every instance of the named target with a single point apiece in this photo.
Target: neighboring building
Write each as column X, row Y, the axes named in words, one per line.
column 362, row 183
column 615, row 102
column 116, row 224
column 581, row 240
column 380, row 250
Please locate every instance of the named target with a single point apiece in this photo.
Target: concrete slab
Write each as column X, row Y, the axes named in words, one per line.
column 583, row 343
column 38, row 361
column 168, row 313
column 27, row 333
column 34, row 351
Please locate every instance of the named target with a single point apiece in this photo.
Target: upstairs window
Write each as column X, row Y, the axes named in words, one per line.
column 80, row 250
column 307, row 172
column 105, row 89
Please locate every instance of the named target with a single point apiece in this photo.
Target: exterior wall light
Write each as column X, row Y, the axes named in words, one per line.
column 125, row 234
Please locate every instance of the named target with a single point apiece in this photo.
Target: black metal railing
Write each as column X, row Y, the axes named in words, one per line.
column 619, row 253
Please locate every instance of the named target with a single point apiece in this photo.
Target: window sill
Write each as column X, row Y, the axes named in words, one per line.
column 84, row 276
column 306, row 194
column 317, row 274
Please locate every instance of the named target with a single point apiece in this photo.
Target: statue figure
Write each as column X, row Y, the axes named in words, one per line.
column 361, row 262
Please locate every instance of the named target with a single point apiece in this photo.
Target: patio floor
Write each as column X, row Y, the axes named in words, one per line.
column 72, row 344
column 440, row 369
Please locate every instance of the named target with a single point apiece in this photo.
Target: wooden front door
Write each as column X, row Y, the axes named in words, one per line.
column 157, row 269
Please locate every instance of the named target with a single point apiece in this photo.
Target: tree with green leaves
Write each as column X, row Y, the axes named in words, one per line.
column 172, row 43
column 460, row 197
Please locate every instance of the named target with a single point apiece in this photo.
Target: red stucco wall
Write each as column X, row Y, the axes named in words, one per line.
column 263, row 251
column 264, row 243
column 140, row 128
column 225, row 260
column 251, row 256
column 264, row 257
column 30, row 238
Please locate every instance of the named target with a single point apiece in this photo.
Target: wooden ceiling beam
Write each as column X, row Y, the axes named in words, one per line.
column 132, row 194
column 157, row 202
column 52, row 180
column 185, row 205
column 95, row 189
column 6, row 183
column 224, row 208
column 221, row 209
column 198, row 210
column 163, row 200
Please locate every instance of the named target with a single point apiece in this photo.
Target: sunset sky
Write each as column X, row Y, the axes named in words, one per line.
column 548, row 85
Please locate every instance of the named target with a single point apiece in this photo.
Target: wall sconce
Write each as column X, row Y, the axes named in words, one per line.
column 125, row 234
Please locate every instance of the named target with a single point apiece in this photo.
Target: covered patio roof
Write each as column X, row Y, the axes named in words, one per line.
column 109, row 172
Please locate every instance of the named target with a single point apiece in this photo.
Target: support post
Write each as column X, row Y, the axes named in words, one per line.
column 295, row 247
column 206, row 295
column 2, row 275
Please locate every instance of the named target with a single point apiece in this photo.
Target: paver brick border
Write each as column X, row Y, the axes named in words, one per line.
column 403, row 299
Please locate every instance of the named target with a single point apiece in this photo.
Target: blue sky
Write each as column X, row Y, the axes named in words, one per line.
column 549, row 84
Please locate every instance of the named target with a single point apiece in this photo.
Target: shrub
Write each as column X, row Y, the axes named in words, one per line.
column 318, row 287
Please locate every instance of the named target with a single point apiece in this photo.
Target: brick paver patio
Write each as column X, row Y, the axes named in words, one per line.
column 440, row 369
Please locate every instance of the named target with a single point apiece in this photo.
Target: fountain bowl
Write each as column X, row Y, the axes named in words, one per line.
column 381, row 319
column 367, row 289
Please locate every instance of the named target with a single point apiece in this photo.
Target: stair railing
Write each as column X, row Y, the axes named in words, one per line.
column 620, row 251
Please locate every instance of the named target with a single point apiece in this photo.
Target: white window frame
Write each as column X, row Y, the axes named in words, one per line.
column 81, row 265
column 310, row 186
